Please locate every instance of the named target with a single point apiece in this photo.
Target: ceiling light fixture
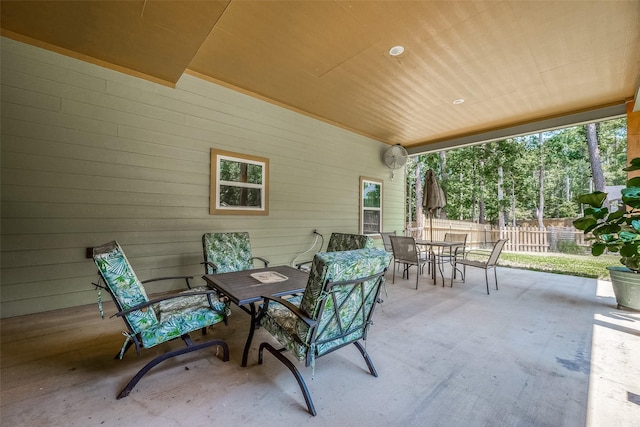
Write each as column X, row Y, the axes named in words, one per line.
column 458, row 101
column 396, row 50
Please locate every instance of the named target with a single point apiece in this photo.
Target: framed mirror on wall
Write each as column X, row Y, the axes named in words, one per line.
column 239, row 184
column 370, row 206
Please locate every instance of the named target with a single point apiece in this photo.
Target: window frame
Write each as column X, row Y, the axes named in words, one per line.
column 364, row 181
column 214, row 197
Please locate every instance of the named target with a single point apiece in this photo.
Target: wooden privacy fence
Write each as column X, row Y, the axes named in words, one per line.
column 520, row 239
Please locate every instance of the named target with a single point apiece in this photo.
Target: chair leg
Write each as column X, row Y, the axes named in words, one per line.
column 190, row 347
column 495, row 273
column 486, row 278
column 367, row 359
column 394, row 272
column 303, row 386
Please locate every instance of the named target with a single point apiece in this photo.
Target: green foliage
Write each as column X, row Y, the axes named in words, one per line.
column 617, row 231
column 469, row 175
column 570, row 247
column 574, row 265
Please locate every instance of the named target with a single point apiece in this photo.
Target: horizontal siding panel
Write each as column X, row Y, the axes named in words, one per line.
column 44, row 211
column 21, row 193
column 45, row 133
column 57, row 120
column 79, row 181
column 99, row 168
column 38, row 72
column 155, row 158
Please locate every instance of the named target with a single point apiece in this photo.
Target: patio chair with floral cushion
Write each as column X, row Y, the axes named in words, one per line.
column 226, row 252
column 335, row 310
column 151, row 322
column 343, row 242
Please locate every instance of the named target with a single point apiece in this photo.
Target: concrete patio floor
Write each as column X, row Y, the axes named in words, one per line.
column 544, row 350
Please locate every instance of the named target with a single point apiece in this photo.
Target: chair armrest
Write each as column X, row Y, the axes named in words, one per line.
column 146, row 304
column 210, row 264
column 266, row 263
column 186, row 279
column 300, row 265
column 460, row 251
column 294, row 309
column 477, row 254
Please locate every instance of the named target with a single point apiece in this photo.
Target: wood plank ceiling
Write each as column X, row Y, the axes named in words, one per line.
column 511, row 61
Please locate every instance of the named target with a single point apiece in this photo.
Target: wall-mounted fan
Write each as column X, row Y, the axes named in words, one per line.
column 395, row 157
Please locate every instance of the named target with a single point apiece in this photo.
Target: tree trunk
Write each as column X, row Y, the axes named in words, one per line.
column 501, row 213
column 419, row 187
column 540, row 212
column 594, row 158
column 513, row 204
column 444, row 179
column 481, row 211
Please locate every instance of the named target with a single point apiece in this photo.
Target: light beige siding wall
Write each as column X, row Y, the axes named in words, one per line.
column 90, row 155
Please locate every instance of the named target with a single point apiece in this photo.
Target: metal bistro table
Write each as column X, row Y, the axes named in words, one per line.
column 432, row 244
column 244, row 289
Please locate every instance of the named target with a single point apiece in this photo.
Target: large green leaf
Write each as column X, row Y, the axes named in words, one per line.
column 635, row 165
column 629, row 250
column 598, row 249
column 607, row 229
column 594, row 199
column 634, row 182
column 631, row 196
column 585, row 223
column 615, row 215
column 627, row 236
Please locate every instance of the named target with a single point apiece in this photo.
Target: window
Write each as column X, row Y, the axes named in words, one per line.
column 239, row 184
column 370, row 206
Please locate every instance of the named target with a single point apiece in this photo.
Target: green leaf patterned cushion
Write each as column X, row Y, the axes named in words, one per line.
column 124, row 284
column 348, row 242
column 228, row 251
column 329, row 266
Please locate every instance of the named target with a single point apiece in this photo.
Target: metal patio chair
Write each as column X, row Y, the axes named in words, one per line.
column 489, row 262
column 227, row 252
column 334, row 311
column 386, row 240
column 406, row 253
column 451, row 253
column 342, row 242
column 151, row 322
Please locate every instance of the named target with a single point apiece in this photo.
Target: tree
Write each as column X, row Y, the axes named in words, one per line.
column 594, row 158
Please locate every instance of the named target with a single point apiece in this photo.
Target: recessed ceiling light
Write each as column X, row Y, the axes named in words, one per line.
column 458, row 101
column 396, row 50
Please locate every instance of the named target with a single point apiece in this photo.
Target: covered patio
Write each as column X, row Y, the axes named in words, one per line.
column 544, row 350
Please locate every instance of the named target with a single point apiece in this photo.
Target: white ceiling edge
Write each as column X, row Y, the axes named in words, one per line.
column 545, row 125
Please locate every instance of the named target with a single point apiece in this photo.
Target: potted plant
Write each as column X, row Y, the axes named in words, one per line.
column 617, row 232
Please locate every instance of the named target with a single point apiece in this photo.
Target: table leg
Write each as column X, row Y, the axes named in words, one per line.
column 433, row 266
column 252, row 328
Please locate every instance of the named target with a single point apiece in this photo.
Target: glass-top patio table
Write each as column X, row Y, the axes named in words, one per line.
column 431, row 246
column 245, row 288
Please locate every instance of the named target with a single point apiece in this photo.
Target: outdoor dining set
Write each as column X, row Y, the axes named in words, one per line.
column 308, row 313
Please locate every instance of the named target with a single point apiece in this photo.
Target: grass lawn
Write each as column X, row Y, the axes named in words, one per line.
column 573, row 265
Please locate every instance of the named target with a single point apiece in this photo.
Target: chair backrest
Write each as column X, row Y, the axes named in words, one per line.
column 228, row 251
column 456, row 237
column 339, row 299
column 495, row 252
column 348, row 242
column 404, row 248
column 387, row 241
column 123, row 285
